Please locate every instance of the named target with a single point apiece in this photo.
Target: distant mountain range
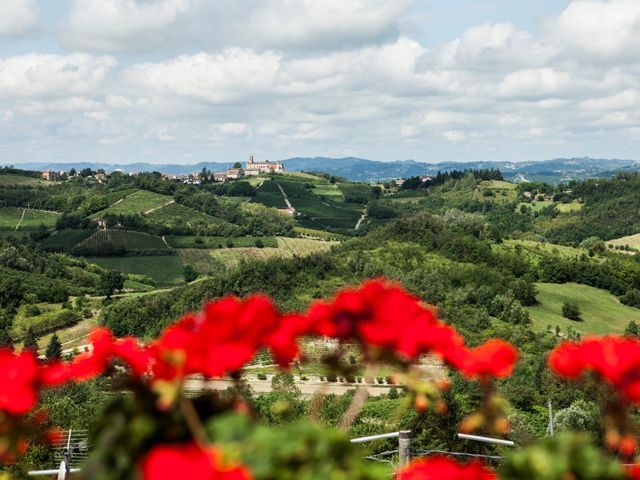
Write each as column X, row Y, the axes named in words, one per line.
column 360, row 169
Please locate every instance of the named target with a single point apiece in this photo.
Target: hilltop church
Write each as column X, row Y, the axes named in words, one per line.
column 256, row 168
column 251, row 168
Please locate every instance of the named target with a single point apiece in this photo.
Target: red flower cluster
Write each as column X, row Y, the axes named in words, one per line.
column 615, row 359
column 167, row 462
column 228, row 333
column 382, row 314
column 88, row 365
column 224, row 337
column 440, row 468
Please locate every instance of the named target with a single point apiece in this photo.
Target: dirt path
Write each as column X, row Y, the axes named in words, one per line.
column 158, row 208
column 360, row 220
column 24, row 210
column 286, row 199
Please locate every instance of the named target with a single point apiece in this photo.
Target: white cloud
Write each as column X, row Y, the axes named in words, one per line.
column 320, row 77
column 232, row 76
column 494, row 46
column 535, row 83
column 18, row 17
column 120, row 25
column 41, row 75
column 138, row 25
column 606, row 30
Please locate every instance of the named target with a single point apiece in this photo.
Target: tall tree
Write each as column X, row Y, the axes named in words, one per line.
column 54, row 348
column 110, row 282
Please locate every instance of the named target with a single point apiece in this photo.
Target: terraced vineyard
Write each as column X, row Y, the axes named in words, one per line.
column 164, row 269
column 269, row 195
column 140, row 201
column 107, row 241
column 65, row 240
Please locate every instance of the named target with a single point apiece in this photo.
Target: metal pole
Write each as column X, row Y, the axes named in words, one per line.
column 551, row 425
column 404, row 448
column 479, row 438
column 371, row 438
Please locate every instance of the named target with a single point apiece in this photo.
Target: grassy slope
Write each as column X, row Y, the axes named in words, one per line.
column 10, row 217
column 213, row 260
column 632, row 241
column 21, row 180
column 601, row 312
column 164, row 269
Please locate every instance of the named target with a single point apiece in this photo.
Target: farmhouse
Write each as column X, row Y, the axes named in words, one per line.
column 50, row 175
column 256, row 168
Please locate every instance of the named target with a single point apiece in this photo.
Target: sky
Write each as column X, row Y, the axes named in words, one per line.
column 185, row 81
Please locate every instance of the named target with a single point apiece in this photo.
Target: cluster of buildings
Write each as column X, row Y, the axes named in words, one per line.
column 250, row 169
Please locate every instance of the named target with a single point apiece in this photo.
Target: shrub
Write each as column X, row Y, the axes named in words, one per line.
column 259, row 243
column 332, row 377
column 262, row 376
column 571, row 311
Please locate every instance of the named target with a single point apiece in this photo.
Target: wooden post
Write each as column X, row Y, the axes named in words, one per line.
column 404, row 447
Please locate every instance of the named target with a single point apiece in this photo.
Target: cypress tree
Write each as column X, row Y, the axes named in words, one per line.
column 54, row 348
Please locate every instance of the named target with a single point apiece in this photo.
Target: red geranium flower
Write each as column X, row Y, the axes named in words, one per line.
column 168, row 462
column 494, row 358
column 18, row 381
column 441, row 468
column 226, row 336
column 615, row 359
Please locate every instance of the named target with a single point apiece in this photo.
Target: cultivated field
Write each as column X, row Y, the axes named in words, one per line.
column 330, row 190
column 269, row 195
column 130, row 241
column 175, row 214
column 65, row 240
column 140, row 201
column 601, row 312
column 192, row 241
column 22, row 180
column 12, row 218
column 164, row 269
column 215, row 260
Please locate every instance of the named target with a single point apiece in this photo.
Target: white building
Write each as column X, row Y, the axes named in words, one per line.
column 256, row 168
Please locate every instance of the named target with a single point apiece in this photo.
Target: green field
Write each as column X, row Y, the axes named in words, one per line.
column 22, row 180
column 65, row 240
column 329, row 190
column 536, row 250
column 126, row 240
column 175, row 214
column 269, row 195
column 216, row 260
column 192, row 241
column 164, row 269
column 602, row 313
column 12, row 217
column 569, row 207
column 140, row 201
column 632, row 241
column 503, row 192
